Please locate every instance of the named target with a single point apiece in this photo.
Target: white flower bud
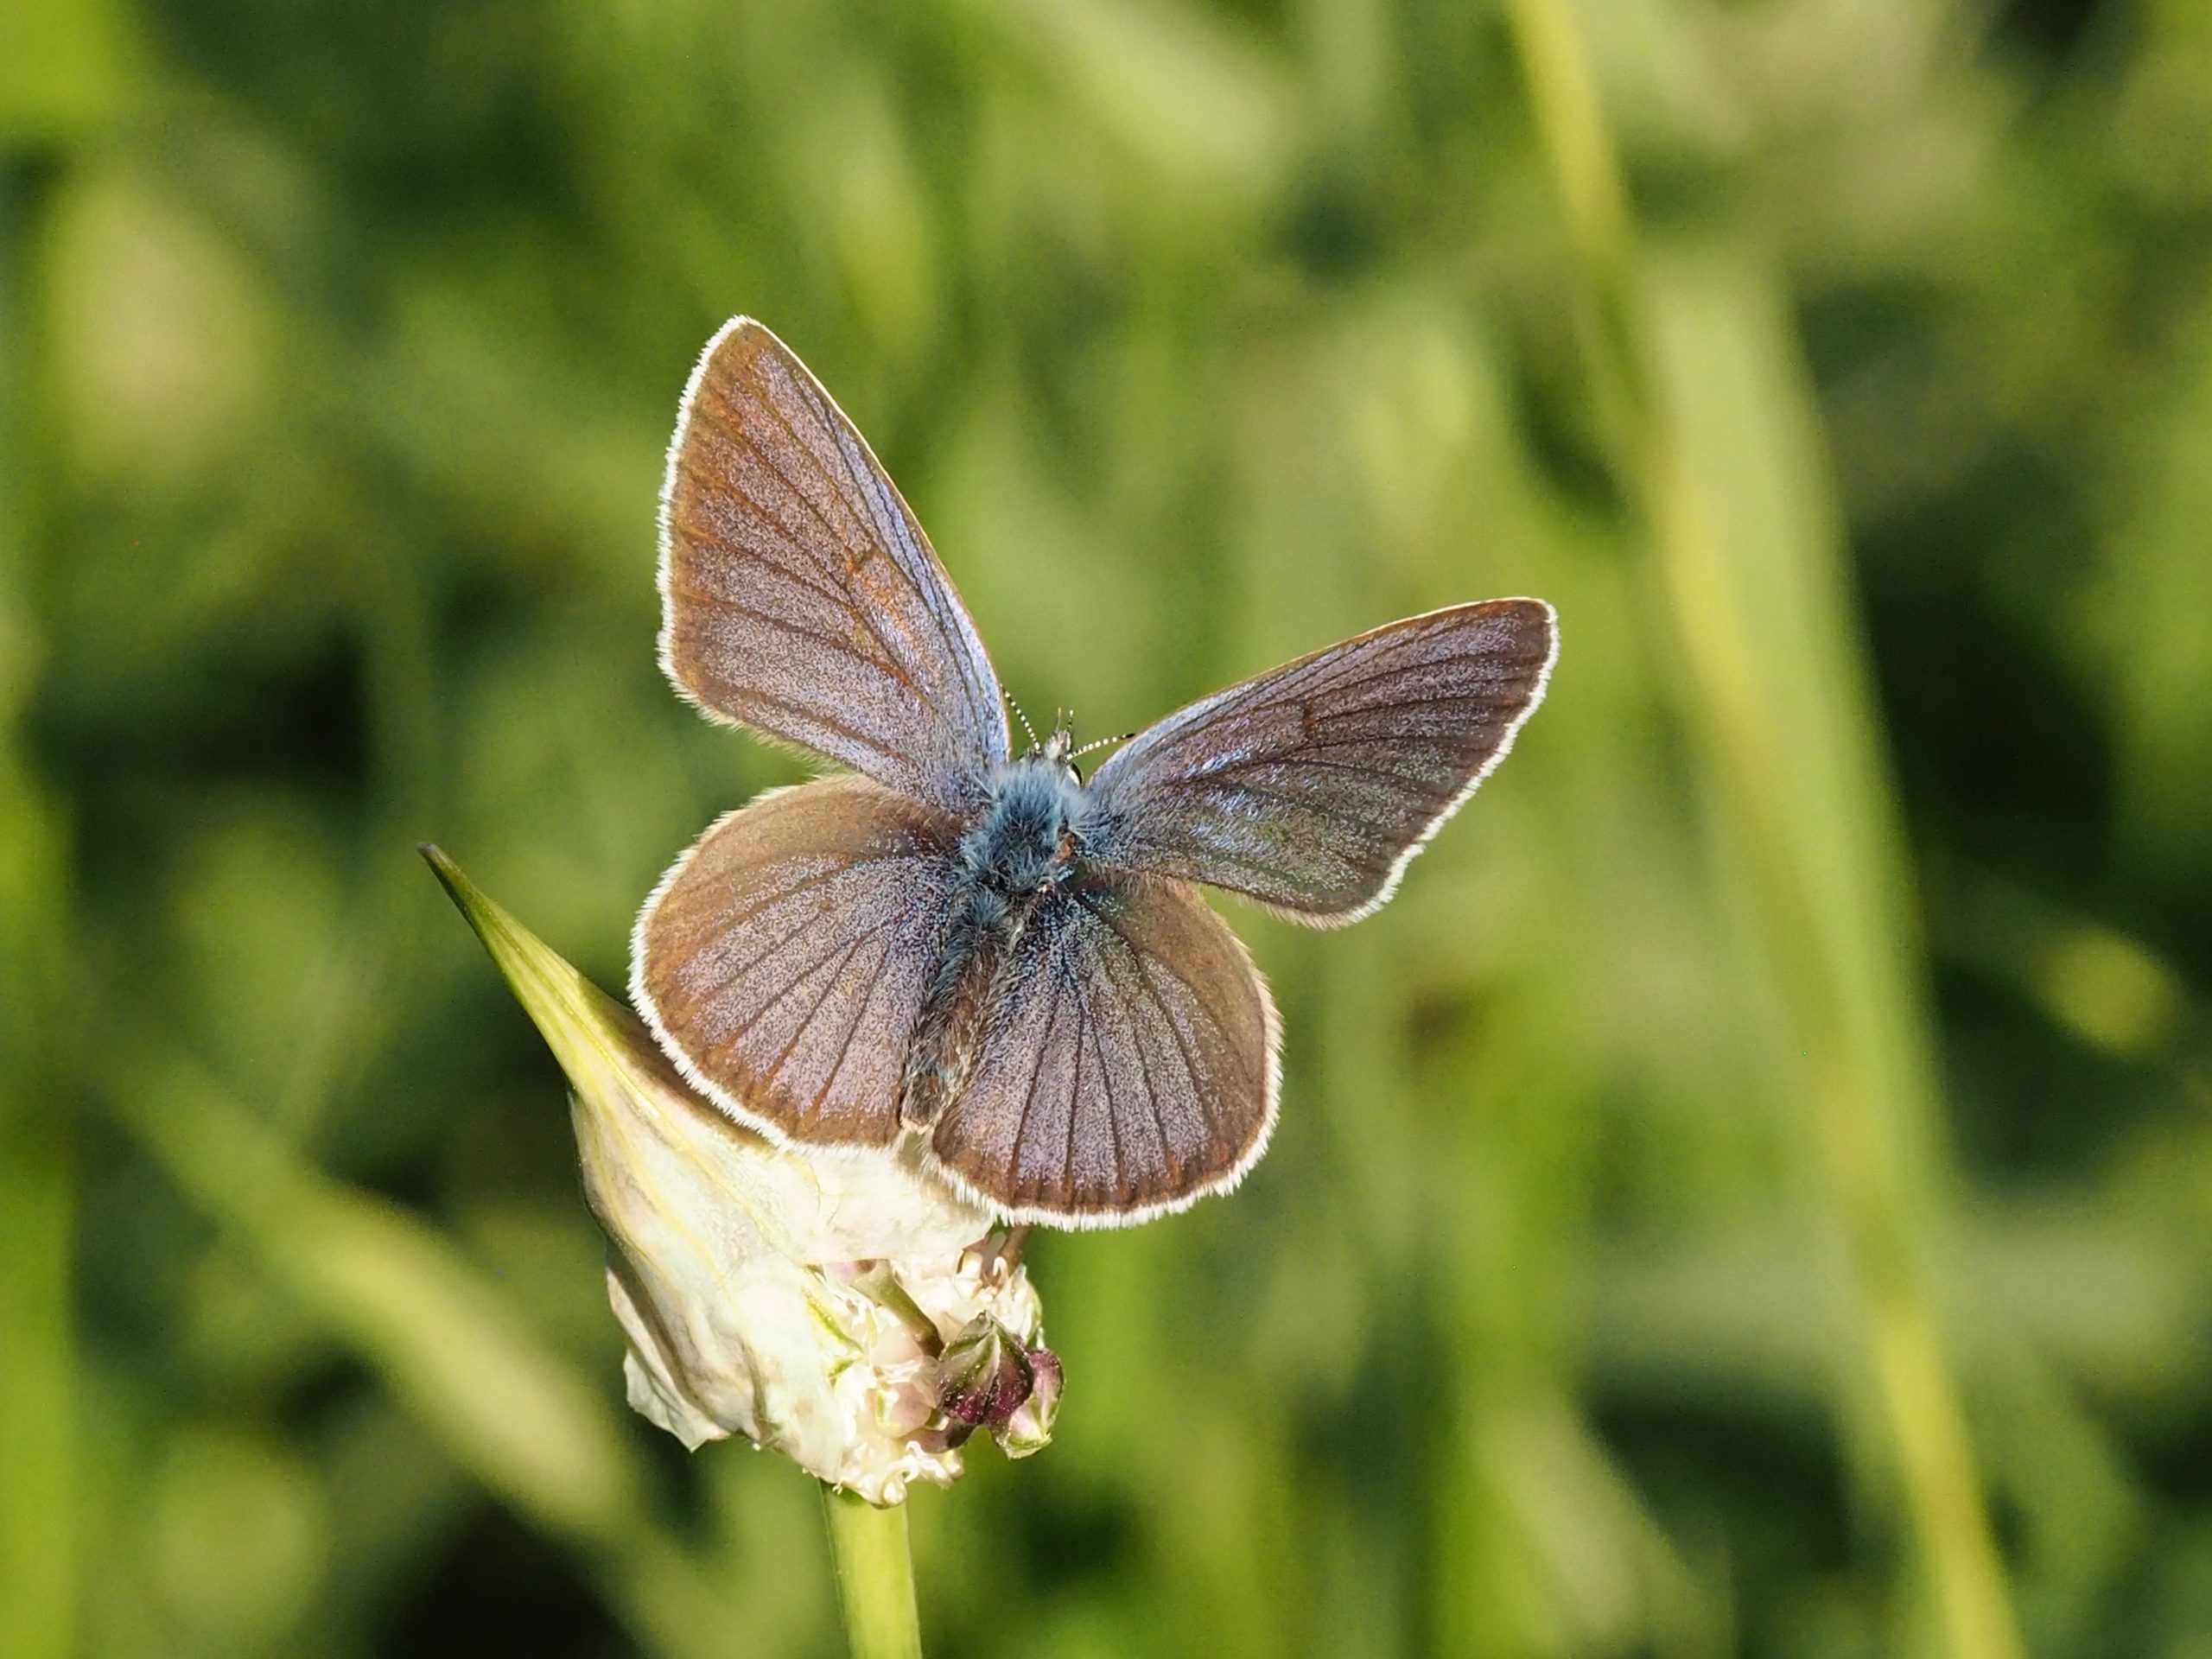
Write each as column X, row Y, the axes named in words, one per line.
column 805, row 1298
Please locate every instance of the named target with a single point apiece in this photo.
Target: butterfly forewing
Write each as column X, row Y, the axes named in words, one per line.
column 800, row 595
column 1309, row 787
column 1129, row 1068
column 785, row 957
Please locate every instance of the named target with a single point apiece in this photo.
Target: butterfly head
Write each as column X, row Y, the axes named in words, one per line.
column 1056, row 750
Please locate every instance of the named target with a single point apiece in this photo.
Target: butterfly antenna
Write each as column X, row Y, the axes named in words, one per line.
column 1100, row 742
column 1023, row 718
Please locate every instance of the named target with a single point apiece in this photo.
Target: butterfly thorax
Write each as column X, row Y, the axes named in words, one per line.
column 1023, row 847
column 1024, row 842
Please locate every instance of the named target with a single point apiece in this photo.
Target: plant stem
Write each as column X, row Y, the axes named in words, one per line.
column 875, row 1576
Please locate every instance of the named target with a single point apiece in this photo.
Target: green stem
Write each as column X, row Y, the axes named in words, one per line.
column 875, row 1576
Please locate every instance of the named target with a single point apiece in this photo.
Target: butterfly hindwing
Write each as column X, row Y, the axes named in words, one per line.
column 1309, row 787
column 782, row 960
column 799, row 596
column 1128, row 1066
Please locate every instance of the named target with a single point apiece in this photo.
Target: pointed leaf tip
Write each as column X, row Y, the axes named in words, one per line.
column 458, row 886
column 567, row 1008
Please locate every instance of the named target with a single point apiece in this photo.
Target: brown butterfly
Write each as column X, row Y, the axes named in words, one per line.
column 979, row 948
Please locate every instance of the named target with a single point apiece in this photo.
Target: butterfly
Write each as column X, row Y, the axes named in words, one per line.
column 985, row 950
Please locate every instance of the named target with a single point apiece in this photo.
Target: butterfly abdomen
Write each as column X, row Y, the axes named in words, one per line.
column 1015, row 854
column 984, row 929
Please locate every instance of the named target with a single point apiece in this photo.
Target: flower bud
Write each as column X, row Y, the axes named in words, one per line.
column 984, row 1376
column 834, row 1303
column 1030, row 1426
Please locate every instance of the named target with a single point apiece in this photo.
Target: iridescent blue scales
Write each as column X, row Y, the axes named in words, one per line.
column 979, row 949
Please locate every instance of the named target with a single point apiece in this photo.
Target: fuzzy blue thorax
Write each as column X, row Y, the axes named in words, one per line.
column 1026, row 840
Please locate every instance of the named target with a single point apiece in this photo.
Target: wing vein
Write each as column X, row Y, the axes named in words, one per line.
column 1168, row 1158
column 1075, row 1084
column 776, row 1000
column 860, row 1015
column 814, row 1009
column 1367, row 827
column 1174, row 1030
column 1106, row 1090
column 803, row 576
column 890, row 519
column 888, row 526
column 851, row 733
column 856, row 553
column 733, row 974
column 1029, row 1096
column 829, row 641
column 788, row 540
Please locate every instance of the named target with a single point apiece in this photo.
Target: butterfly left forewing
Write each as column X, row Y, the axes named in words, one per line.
column 1129, row 1067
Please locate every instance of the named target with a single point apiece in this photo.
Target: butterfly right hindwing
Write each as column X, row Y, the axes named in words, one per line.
column 1129, row 1070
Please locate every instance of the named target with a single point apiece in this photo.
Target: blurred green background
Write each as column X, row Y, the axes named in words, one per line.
column 1752, row 1193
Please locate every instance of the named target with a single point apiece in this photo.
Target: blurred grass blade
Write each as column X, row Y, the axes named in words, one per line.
column 1182, row 90
column 64, row 69
column 38, row 1532
column 2164, row 668
column 517, row 1415
column 1717, row 448
column 38, row 1185
column 443, row 1340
